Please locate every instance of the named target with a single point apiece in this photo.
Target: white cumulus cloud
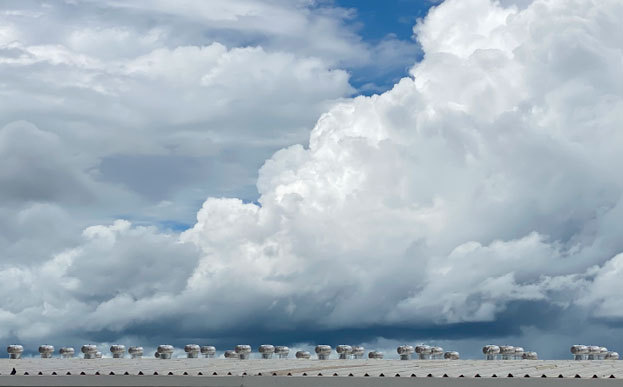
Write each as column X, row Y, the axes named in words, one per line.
column 486, row 180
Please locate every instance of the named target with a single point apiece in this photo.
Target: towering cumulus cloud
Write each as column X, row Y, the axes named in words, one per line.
column 488, row 178
column 484, row 187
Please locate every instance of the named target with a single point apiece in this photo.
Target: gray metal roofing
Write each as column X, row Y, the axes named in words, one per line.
column 314, row 368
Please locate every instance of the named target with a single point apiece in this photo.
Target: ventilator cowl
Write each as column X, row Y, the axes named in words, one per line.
column 436, row 352
column 303, row 355
column 282, row 351
column 231, row 354
column 266, row 350
column 89, row 351
column 491, row 351
column 507, row 351
column 530, row 356
column 135, row 352
column 358, row 351
column 323, row 351
column 593, row 352
column 164, row 351
column 612, row 356
column 46, row 351
column 424, row 351
column 344, row 351
column 243, row 351
column 405, row 351
column 192, row 351
column 118, row 351
column 375, row 355
column 208, row 351
column 15, row 351
column 67, row 352
column 451, row 355
column 579, row 351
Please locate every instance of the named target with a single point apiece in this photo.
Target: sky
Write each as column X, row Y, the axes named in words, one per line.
column 386, row 23
column 312, row 172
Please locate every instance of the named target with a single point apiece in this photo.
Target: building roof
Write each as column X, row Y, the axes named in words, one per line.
column 314, row 368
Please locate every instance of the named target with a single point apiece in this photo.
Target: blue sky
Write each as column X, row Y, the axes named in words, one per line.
column 395, row 17
column 298, row 172
column 375, row 21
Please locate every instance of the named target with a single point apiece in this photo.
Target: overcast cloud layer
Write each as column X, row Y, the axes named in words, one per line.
column 478, row 200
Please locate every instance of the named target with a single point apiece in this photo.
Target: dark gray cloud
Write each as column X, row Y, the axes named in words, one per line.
column 36, row 166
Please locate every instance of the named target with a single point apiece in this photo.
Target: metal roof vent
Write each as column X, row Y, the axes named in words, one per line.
column 579, row 351
column 136, row 352
column 530, row 356
column 66, row 352
column 98, row 355
column 192, row 351
column 266, row 350
column 323, row 352
column 231, row 354
column 436, row 352
column 491, row 351
column 89, row 351
column 15, row 351
column 593, row 352
column 208, row 351
column 405, row 351
column 603, row 351
column 451, row 355
column 344, row 351
column 507, row 352
column 375, row 355
column 243, row 351
column 46, row 351
column 358, row 351
column 519, row 351
column 164, row 351
column 423, row 351
column 118, row 351
column 302, row 355
column 282, row 351
column 612, row 356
